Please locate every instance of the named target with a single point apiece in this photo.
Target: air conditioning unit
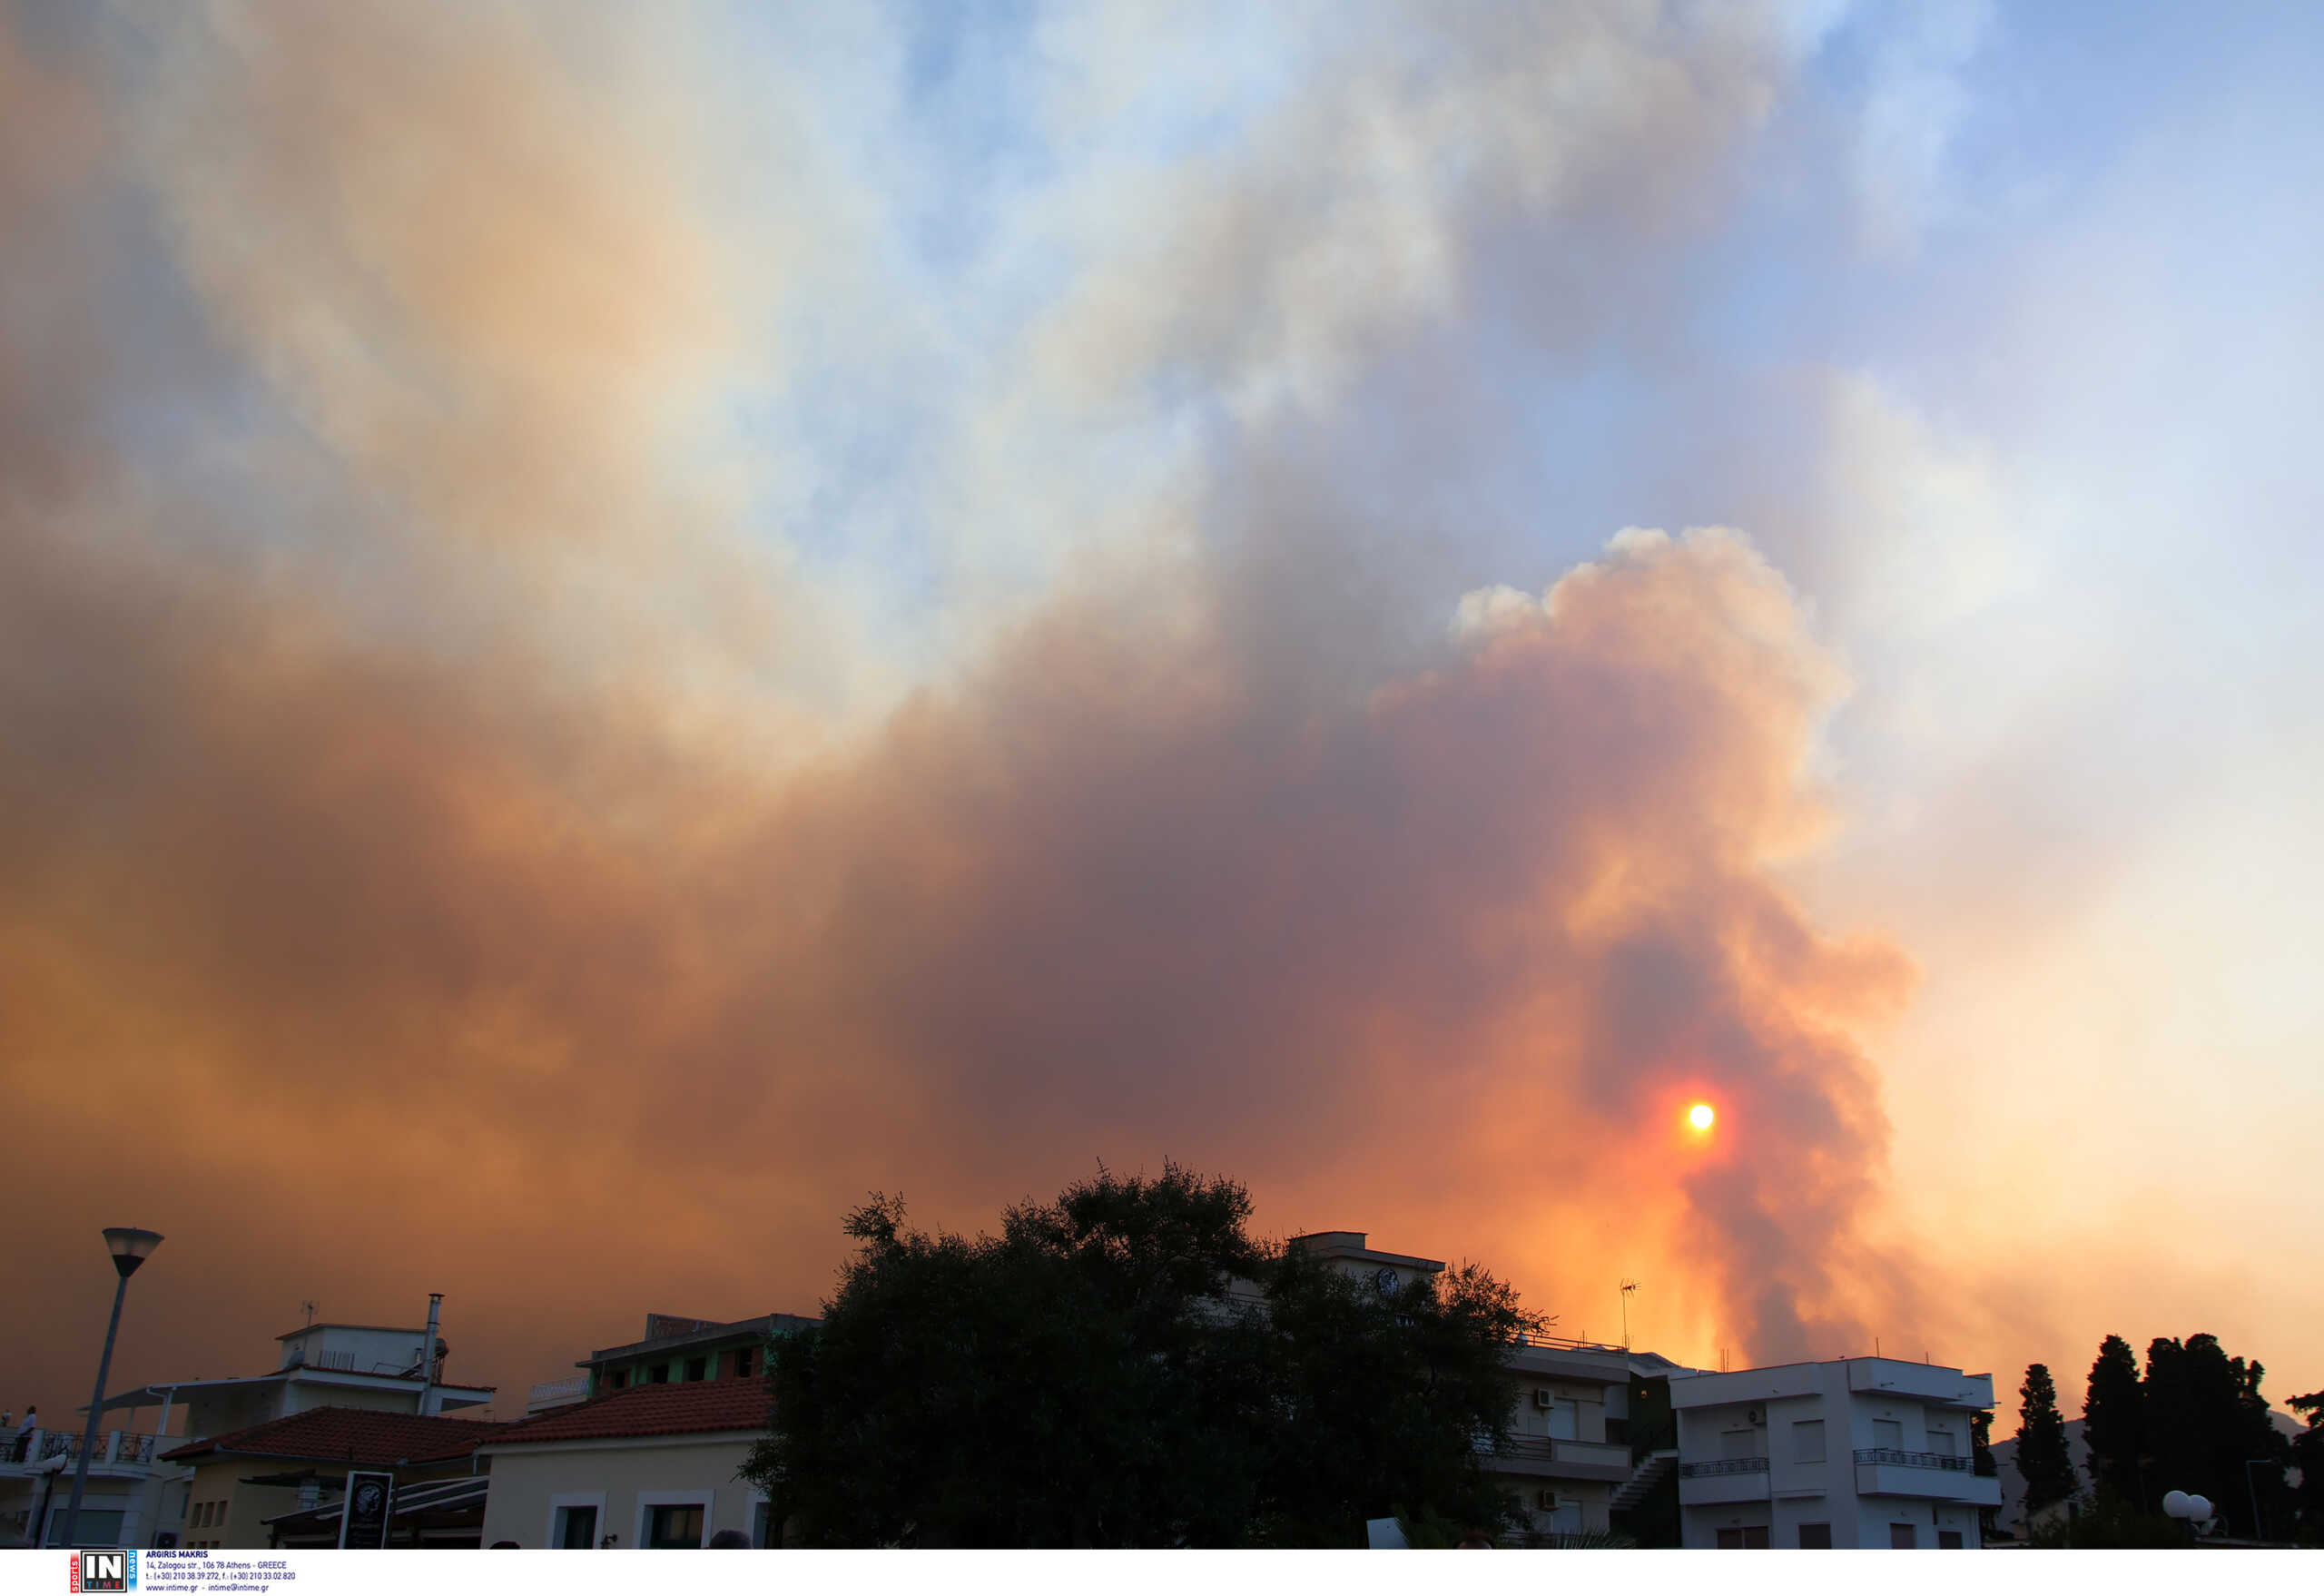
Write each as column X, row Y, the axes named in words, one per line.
column 1543, row 1397
column 1547, row 1501
column 1756, row 1416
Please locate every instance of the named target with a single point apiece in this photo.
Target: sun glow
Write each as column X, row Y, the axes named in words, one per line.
column 1701, row 1117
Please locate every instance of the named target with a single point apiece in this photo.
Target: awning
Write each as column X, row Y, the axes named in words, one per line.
column 431, row 1496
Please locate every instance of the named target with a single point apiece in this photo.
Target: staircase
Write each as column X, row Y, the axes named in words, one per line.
column 1649, row 1473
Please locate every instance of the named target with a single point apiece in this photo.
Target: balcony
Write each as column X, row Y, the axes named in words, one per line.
column 1723, row 1479
column 1544, row 1457
column 118, row 1452
column 549, row 1393
column 1885, row 1471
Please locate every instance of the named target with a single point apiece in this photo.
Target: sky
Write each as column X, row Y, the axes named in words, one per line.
column 620, row 625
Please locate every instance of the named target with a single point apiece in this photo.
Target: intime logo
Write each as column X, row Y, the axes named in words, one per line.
column 104, row 1570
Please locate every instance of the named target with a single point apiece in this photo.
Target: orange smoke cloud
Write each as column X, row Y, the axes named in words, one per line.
column 317, row 926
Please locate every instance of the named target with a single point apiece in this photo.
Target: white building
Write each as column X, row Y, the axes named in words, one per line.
column 1859, row 1452
column 654, row 1465
column 135, row 1498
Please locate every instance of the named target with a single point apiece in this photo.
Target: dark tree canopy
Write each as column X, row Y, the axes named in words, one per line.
column 2113, row 1423
column 1126, row 1367
column 2041, row 1457
column 2206, row 1420
column 2307, row 1507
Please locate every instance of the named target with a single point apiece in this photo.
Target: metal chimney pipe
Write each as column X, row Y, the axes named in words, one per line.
column 428, row 1370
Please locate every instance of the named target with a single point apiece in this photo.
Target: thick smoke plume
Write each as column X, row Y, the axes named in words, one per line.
column 401, row 888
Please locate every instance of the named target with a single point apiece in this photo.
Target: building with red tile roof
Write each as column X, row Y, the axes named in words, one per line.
column 654, row 1465
column 245, row 1479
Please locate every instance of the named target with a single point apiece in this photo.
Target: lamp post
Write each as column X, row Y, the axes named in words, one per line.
column 130, row 1247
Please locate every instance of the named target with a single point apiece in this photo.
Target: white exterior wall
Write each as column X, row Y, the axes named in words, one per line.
column 357, row 1349
column 1850, row 1397
column 621, row 1478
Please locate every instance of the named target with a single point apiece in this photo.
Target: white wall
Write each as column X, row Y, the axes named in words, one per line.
column 526, row 1481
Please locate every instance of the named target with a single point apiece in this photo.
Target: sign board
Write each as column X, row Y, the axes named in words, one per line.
column 363, row 1514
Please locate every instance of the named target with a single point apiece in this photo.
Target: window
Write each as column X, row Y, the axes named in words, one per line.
column 759, row 1528
column 743, row 1362
column 1888, row 1433
column 1738, row 1443
column 1808, row 1441
column 697, row 1367
column 1565, row 1420
column 619, row 1379
column 1948, row 1540
column 675, row 1525
column 97, row 1527
column 1901, row 1536
column 1943, row 1443
column 1748, row 1538
column 659, row 1375
column 1816, row 1537
column 577, row 1527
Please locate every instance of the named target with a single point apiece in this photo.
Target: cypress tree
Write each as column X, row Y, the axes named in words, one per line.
column 2041, row 1455
column 2113, row 1422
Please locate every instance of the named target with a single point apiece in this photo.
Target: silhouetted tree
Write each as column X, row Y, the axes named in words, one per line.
column 1980, row 1455
column 1093, row 1376
column 2113, row 1422
column 2206, row 1421
column 2041, row 1457
column 2308, row 1453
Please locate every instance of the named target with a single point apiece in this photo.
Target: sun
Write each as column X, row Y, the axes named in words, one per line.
column 1700, row 1115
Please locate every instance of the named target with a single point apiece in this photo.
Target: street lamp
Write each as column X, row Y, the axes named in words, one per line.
column 2195, row 1509
column 130, row 1247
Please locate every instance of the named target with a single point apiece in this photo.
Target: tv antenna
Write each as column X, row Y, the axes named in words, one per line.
column 310, row 1313
column 1628, row 1286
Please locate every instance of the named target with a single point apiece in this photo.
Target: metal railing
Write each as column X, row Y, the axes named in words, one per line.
column 1913, row 1460
column 1723, row 1465
column 1568, row 1343
column 115, row 1446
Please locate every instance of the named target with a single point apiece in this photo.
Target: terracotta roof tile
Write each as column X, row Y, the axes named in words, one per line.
column 694, row 1407
column 347, row 1434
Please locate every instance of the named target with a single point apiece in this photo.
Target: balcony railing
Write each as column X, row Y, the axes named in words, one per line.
column 1723, row 1465
column 1568, row 1343
column 549, row 1393
column 118, row 1446
column 1913, row 1460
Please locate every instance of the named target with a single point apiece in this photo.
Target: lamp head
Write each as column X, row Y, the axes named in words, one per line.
column 130, row 1247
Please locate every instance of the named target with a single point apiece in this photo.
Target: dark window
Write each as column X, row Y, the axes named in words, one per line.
column 659, row 1375
column 742, row 1360
column 1816, row 1537
column 579, row 1529
column 1750, row 1538
column 1901, row 1536
column 697, row 1367
column 618, row 1379
column 673, row 1526
column 1948, row 1540
column 1618, row 1432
